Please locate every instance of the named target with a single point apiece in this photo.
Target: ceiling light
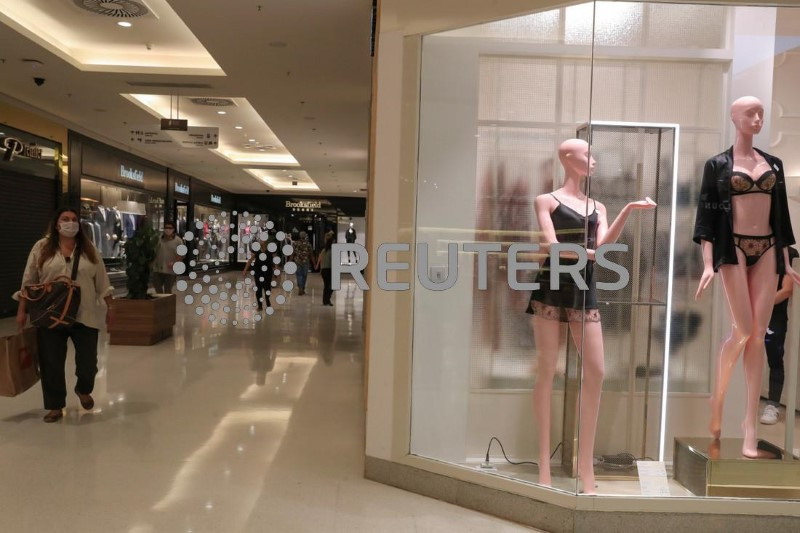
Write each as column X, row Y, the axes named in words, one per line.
column 124, row 24
column 238, row 127
column 221, row 113
column 251, row 140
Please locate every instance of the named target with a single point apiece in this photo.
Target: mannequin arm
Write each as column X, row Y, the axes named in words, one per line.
column 708, row 268
column 609, row 235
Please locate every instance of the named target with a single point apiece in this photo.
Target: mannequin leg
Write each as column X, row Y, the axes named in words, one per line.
column 546, row 334
column 763, row 282
column 593, row 371
column 734, row 282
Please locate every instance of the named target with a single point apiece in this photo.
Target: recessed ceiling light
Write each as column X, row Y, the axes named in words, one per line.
column 238, row 127
column 124, row 24
column 221, row 113
column 251, row 140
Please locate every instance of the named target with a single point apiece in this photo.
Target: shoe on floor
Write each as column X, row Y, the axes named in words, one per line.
column 53, row 416
column 770, row 415
column 87, row 402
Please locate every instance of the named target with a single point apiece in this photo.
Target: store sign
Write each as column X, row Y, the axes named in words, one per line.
column 181, row 188
column 14, row 147
column 216, row 199
column 304, row 204
column 131, row 173
column 194, row 137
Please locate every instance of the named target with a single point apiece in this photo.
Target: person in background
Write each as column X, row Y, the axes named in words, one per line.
column 50, row 258
column 166, row 256
column 324, row 266
column 302, row 258
column 262, row 273
column 773, row 341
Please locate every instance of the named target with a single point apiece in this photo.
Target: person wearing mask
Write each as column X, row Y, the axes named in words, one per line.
column 166, row 255
column 50, row 258
column 324, row 266
column 302, row 258
column 262, row 273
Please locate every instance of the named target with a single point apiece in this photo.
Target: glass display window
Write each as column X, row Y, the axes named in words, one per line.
column 619, row 382
column 249, row 228
column 210, row 236
column 111, row 214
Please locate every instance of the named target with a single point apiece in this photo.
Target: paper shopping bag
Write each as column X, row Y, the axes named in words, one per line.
column 19, row 364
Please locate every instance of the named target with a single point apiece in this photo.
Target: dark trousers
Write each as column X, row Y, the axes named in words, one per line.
column 327, row 292
column 261, row 292
column 53, row 356
column 774, row 345
column 163, row 282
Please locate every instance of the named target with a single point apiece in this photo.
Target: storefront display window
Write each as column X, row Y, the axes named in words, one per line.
column 250, row 225
column 111, row 214
column 649, row 87
column 211, row 228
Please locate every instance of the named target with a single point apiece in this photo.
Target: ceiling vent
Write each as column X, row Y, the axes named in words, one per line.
column 213, row 102
column 114, row 8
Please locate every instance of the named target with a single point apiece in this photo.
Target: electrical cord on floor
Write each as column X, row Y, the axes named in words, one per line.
column 487, row 464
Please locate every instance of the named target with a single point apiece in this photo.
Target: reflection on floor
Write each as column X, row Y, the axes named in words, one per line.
column 245, row 428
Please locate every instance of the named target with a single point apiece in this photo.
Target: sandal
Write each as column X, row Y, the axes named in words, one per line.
column 53, row 416
column 87, row 402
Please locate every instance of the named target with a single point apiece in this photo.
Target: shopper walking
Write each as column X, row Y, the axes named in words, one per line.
column 51, row 257
column 262, row 266
column 324, row 266
column 166, row 256
column 302, row 258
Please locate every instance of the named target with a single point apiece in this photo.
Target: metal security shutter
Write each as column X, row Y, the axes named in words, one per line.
column 26, row 204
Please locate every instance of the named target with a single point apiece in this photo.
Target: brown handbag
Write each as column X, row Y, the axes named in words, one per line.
column 54, row 304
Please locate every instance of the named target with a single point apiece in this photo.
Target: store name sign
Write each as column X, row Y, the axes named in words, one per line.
column 482, row 249
column 181, row 188
column 16, row 147
column 307, row 204
column 216, row 199
column 131, row 173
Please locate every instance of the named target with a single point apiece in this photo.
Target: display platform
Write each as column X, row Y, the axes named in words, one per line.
column 709, row 467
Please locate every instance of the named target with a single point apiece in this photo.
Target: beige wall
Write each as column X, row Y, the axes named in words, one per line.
column 33, row 123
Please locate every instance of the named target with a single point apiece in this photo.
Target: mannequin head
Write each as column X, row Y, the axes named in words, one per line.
column 575, row 158
column 351, row 224
column 747, row 114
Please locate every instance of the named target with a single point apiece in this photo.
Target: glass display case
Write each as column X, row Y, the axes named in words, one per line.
column 649, row 86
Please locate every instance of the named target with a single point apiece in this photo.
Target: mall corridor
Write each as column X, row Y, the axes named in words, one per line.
column 247, row 428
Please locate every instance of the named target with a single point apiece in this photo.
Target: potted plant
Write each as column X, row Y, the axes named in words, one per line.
column 142, row 319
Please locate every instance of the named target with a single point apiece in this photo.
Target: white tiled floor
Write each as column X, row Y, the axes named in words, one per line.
column 191, row 435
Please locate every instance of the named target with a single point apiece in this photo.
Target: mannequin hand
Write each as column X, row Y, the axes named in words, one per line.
column 590, row 254
column 794, row 275
column 705, row 281
column 647, row 203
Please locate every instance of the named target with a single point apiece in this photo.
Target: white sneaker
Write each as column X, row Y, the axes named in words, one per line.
column 770, row 415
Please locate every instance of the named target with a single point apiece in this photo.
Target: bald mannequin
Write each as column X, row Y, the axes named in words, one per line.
column 746, row 240
column 550, row 309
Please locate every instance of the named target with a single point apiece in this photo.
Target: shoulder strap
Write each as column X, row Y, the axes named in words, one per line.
column 76, row 254
column 554, row 196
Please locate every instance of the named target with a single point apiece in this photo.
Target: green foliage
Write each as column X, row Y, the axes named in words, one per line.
column 140, row 251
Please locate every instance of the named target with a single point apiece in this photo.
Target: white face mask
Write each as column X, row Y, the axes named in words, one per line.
column 68, row 229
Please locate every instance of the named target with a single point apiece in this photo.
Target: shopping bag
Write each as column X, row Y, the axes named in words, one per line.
column 19, row 362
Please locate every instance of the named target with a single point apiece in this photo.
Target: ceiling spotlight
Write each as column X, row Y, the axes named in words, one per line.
column 124, row 24
column 222, row 113
column 238, row 127
column 251, row 140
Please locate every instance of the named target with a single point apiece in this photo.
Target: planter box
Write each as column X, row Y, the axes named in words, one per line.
column 143, row 322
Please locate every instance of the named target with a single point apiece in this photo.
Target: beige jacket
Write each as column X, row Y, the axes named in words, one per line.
column 92, row 279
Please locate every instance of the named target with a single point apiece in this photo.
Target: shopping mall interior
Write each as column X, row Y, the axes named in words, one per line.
column 315, row 242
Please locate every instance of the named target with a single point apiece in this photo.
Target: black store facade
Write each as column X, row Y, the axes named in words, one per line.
column 30, row 173
column 117, row 193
